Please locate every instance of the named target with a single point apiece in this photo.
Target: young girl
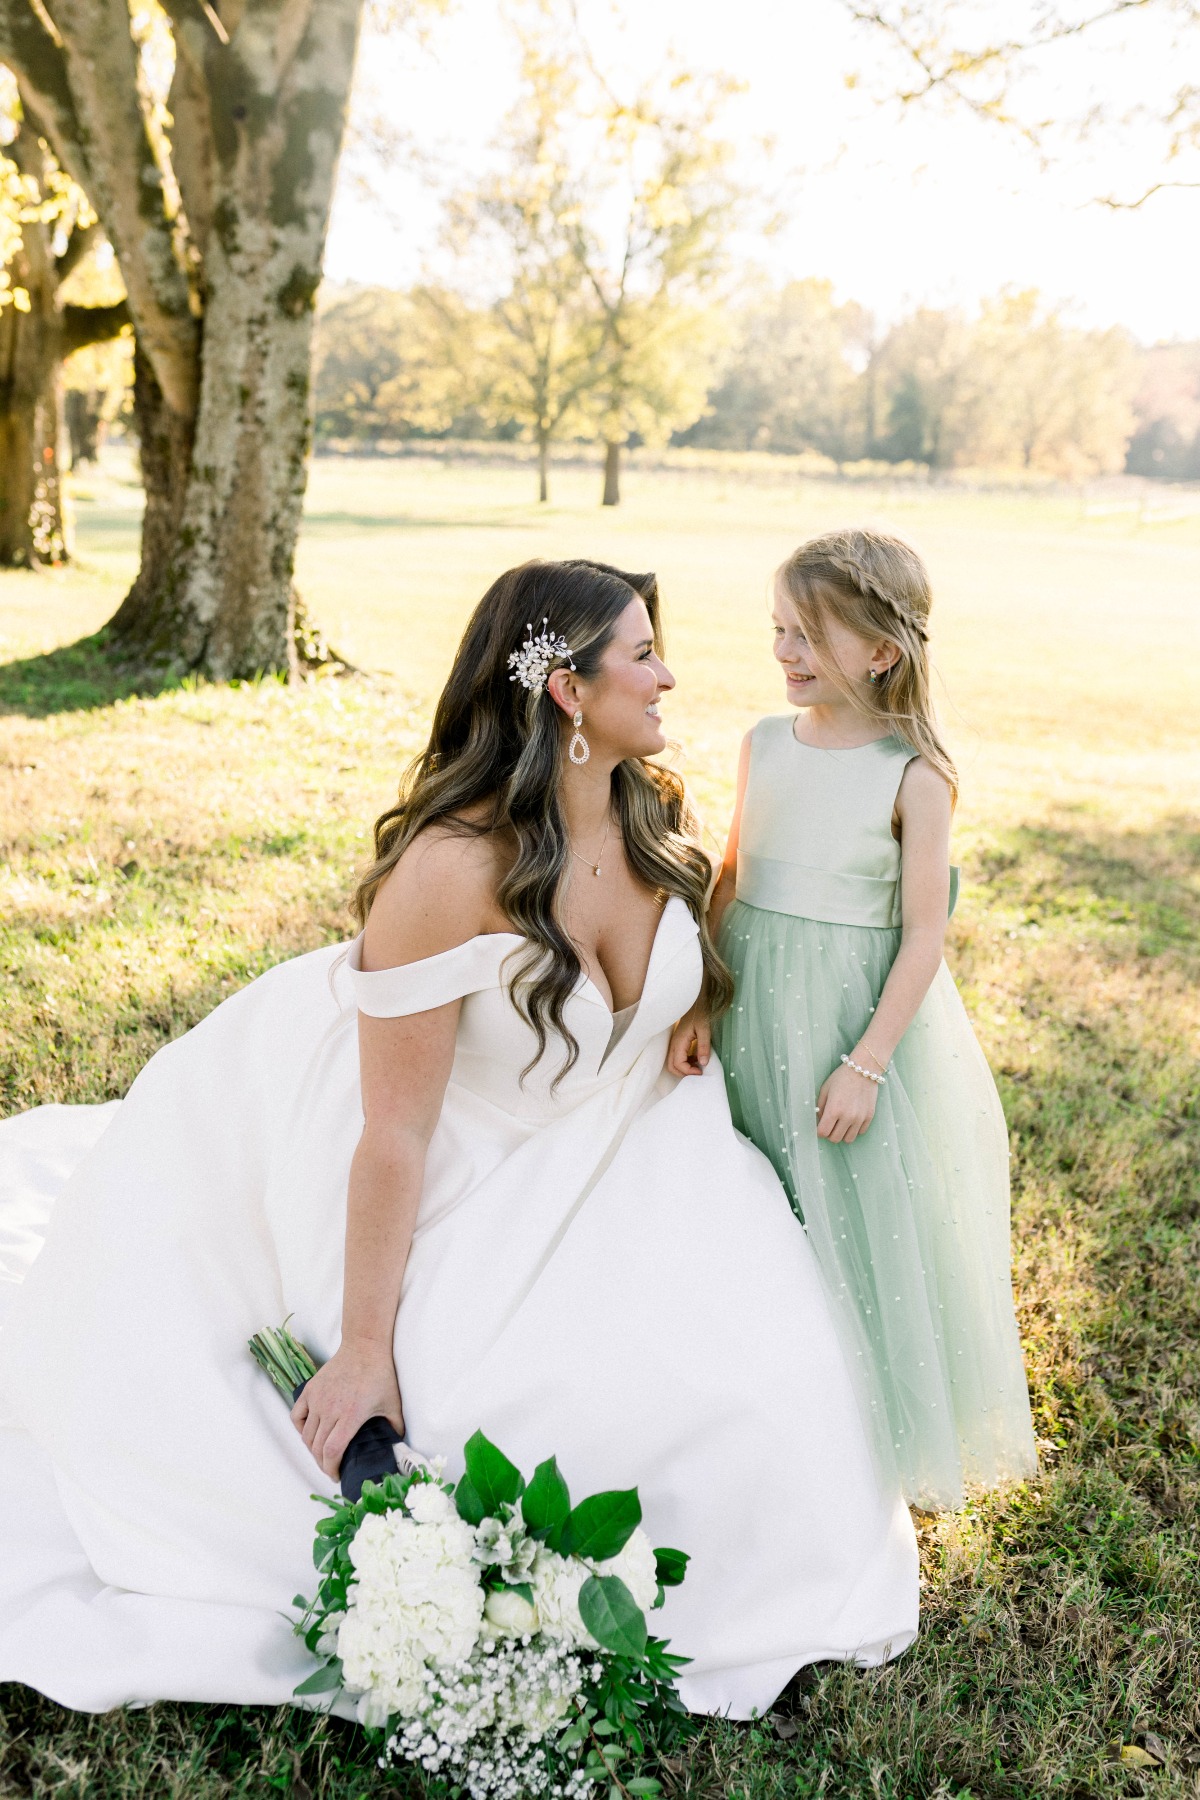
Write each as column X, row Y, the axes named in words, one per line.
column 848, row 1055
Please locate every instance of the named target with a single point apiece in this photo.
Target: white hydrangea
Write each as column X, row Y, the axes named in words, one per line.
column 637, row 1568
column 416, row 1601
column 556, row 1582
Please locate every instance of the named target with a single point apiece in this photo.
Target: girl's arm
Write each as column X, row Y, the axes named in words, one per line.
column 435, row 898
column 923, row 807
column 691, row 1040
column 846, row 1104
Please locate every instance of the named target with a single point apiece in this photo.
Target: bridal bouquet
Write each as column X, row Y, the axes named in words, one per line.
column 490, row 1631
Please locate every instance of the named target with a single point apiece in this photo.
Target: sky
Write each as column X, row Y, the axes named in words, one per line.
column 897, row 207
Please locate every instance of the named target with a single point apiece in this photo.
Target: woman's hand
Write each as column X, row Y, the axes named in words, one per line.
column 691, row 1044
column 356, row 1384
column 845, row 1106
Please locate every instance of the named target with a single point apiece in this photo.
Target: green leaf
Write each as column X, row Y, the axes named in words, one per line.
column 470, row 1506
column 602, row 1525
column 323, row 1681
column 643, row 1784
column 612, row 1615
column 546, row 1502
column 524, row 1588
column 670, row 1566
column 497, row 1481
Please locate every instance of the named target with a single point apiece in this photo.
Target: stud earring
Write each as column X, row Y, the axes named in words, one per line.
column 578, row 749
column 873, row 678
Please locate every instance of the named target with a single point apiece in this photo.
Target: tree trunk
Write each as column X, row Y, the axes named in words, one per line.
column 50, row 519
column 85, row 420
column 220, row 293
column 28, row 362
column 221, row 597
column 543, row 465
column 142, row 627
column 612, row 475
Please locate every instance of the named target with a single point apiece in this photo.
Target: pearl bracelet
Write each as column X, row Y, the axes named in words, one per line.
column 869, row 1074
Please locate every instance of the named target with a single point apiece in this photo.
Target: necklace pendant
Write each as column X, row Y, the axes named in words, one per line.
column 596, row 870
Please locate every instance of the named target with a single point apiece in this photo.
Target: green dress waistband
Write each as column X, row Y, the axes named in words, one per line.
column 828, row 895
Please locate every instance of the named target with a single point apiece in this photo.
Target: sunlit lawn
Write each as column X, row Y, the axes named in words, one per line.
column 162, row 849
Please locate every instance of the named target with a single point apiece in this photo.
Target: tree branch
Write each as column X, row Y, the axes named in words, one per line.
column 83, row 325
column 36, row 58
column 79, row 243
column 125, row 185
column 1158, row 187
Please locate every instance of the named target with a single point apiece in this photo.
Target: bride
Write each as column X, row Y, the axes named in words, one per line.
column 453, row 1154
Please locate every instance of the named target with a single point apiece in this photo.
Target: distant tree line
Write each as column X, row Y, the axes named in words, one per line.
column 1016, row 385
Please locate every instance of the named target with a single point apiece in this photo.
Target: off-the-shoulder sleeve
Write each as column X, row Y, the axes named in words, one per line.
column 435, row 981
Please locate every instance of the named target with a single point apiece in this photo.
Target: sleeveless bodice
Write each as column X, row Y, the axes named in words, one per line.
column 816, row 835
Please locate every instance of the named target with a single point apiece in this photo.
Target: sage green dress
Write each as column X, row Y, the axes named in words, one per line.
column 911, row 1221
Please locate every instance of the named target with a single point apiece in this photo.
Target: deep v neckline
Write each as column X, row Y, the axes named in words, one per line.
column 629, row 1013
column 586, row 986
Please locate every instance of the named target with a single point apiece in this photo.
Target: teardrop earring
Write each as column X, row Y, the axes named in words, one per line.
column 578, row 749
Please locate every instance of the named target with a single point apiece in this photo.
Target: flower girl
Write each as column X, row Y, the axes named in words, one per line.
column 848, row 1054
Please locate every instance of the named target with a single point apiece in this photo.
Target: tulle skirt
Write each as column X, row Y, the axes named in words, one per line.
column 911, row 1221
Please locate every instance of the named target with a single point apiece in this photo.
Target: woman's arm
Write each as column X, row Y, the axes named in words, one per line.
column 435, row 898
column 691, row 1040
column 846, row 1104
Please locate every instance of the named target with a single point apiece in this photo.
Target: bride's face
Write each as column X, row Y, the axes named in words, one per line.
column 620, row 707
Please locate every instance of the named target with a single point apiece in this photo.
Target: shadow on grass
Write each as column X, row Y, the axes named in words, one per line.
column 1067, row 874
column 75, row 678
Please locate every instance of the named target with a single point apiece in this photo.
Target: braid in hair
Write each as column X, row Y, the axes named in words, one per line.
column 878, row 587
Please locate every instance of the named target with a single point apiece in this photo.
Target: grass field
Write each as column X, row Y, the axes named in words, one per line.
column 162, row 848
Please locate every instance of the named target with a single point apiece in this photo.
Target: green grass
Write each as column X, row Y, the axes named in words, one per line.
column 163, row 847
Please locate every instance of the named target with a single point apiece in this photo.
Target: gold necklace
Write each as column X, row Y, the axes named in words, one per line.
column 593, row 866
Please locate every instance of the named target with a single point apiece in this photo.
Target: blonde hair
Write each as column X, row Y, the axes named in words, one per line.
column 878, row 587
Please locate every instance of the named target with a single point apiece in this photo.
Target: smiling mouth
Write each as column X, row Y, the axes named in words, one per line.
column 652, row 709
column 800, row 679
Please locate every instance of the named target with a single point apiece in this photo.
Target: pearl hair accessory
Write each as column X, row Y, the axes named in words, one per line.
column 869, row 1074
column 531, row 662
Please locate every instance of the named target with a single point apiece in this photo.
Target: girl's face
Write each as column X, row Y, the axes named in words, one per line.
column 620, row 707
column 809, row 682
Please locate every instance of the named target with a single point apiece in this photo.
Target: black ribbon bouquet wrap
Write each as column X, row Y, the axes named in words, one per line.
column 371, row 1452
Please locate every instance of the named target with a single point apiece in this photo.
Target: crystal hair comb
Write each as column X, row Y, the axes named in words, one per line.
column 531, row 663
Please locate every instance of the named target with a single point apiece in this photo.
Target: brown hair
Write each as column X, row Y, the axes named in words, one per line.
column 878, row 587
column 498, row 746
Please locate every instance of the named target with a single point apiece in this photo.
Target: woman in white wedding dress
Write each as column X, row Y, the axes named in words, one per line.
column 452, row 1154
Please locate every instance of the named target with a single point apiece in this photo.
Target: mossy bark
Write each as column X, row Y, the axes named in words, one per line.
column 222, row 599
column 220, row 236
column 35, row 337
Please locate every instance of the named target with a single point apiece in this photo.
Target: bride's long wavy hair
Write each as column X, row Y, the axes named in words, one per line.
column 496, row 750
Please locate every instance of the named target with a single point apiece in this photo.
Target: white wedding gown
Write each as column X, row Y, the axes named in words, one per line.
column 607, row 1273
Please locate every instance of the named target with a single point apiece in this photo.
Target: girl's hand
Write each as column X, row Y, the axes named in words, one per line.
column 356, row 1384
column 691, row 1044
column 845, row 1106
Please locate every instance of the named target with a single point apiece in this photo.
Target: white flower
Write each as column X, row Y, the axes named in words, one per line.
column 371, row 1711
column 416, row 1602
column 556, row 1584
column 510, row 1613
column 506, row 1546
column 636, row 1566
column 430, row 1504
